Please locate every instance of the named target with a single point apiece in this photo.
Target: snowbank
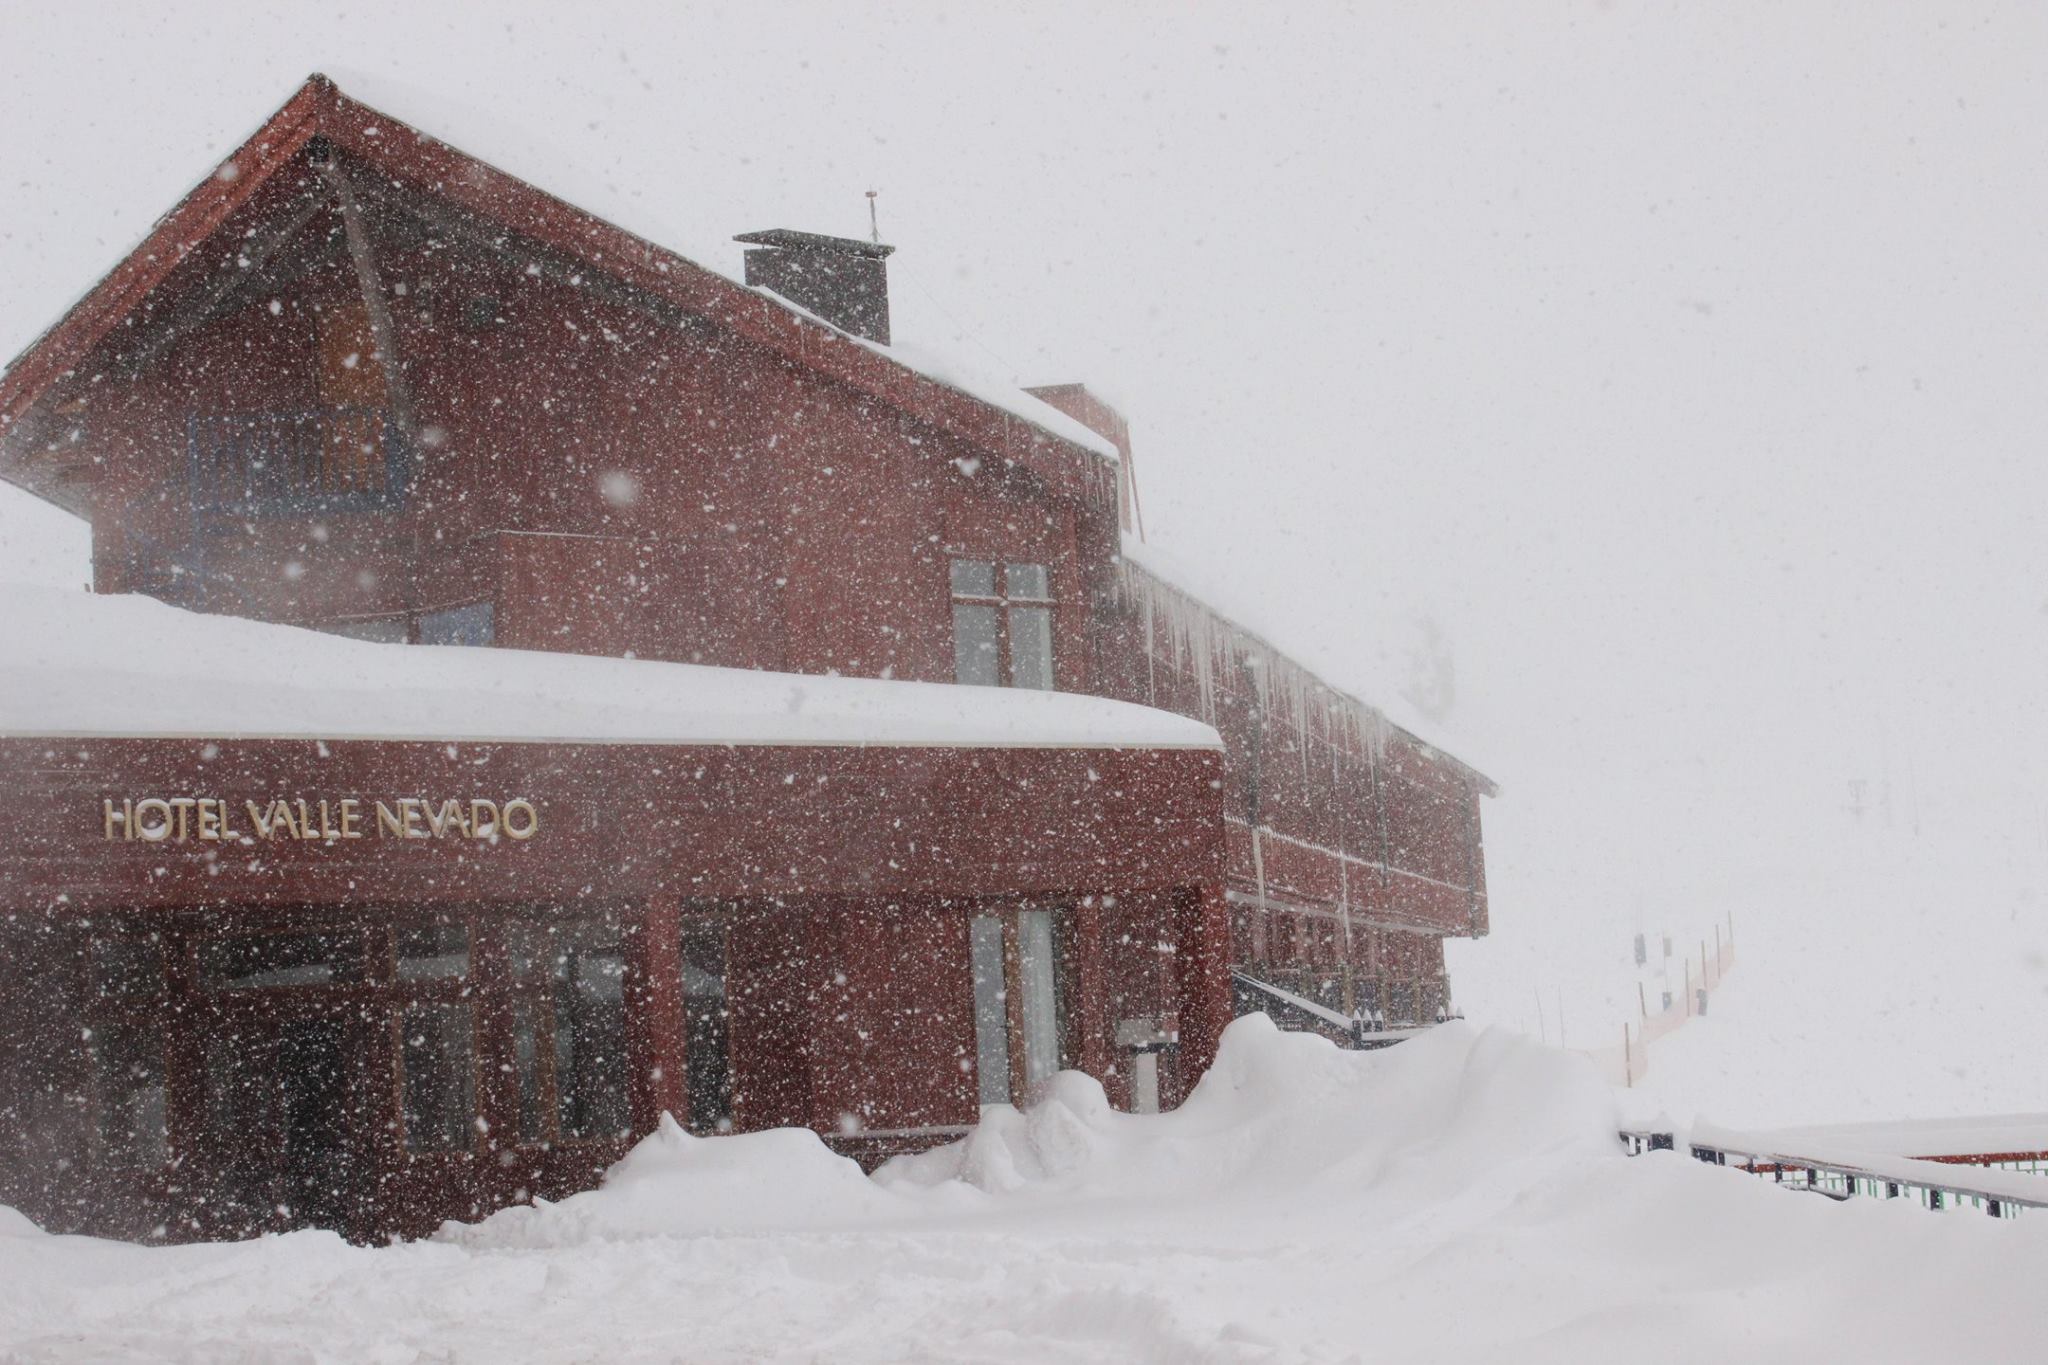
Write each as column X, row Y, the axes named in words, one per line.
column 1457, row 1198
column 673, row 1184
column 78, row 664
column 1281, row 1115
column 1290, row 1115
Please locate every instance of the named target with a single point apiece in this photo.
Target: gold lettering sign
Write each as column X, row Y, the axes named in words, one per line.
column 211, row 819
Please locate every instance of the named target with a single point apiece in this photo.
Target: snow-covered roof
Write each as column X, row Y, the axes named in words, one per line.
column 488, row 137
column 1210, row 583
column 76, row 664
column 1968, row 1136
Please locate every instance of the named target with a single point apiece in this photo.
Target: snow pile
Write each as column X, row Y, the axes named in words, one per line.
column 1280, row 1115
column 1289, row 1115
column 1457, row 1198
column 673, row 1184
column 84, row 665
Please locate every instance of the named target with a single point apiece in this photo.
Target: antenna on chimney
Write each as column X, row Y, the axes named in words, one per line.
column 874, row 223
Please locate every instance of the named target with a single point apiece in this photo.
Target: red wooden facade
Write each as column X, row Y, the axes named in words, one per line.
column 363, row 382
column 823, row 900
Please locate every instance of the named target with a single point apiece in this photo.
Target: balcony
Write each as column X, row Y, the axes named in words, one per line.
column 257, row 465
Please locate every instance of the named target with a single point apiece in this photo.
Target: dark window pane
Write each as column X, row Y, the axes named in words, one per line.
column 526, row 1036
column 474, row 624
column 706, row 1052
column 260, row 960
column 590, row 1035
column 129, row 1094
column 1031, row 647
column 1026, row 581
column 974, row 646
column 973, row 578
column 127, row 968
column 388, row 630
column 433, row 952
column 440, row 1078
column 530, row 951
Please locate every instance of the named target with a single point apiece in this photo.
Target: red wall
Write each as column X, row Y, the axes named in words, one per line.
column 779, row 520
column 845, row 878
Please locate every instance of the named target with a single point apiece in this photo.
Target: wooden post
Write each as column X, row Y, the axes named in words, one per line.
column 1096, row 1051
column 656, row 1035
column 385, row 333
column 1202, row 960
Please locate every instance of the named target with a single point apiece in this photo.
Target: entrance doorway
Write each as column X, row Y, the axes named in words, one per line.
column 281, row 1134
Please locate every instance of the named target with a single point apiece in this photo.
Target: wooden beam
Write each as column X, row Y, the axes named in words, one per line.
column 382, row 331
column 201, row 305
column 492, row 240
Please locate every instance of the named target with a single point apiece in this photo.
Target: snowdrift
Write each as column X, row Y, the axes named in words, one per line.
column 1280, row 1116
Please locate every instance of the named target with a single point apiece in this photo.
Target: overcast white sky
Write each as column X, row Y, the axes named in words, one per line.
column 1680, row 364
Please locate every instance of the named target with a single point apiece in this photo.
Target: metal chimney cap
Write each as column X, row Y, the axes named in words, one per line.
column 815, row 241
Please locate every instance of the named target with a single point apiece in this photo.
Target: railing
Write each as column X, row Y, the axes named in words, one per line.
column 1843, row 1174
column 263, row 464
column 1365, row 1030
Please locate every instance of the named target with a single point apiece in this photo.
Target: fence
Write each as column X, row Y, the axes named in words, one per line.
column 1630, row 1062
column 256, row 464
column 1841, row 1173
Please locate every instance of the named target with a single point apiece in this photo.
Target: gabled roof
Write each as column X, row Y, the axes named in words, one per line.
column 1044, row 441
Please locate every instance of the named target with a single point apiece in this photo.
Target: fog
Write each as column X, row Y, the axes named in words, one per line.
column 1666, row 379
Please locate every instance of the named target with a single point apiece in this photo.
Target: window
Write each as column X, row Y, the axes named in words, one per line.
column 707, row 1048
column 991, row 1010
column 268, row 960
column 265, row 464
column 526, row 1059
column 130, row 1095
column 590, row 1033
column 127, row 968
column 440, row 1077
column 1036, row 978
column 433, row 952
column 1016, row 1002
column 383, row 630
column 1002, row 630
column 472, row 624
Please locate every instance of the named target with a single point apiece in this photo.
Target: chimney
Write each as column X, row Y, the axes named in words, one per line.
column 1105, row 421
column 843, row 280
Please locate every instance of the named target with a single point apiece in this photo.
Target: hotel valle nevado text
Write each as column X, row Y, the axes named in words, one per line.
column 177, row 819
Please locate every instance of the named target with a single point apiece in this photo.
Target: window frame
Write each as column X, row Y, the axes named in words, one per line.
column 1014, row 994
column 1005, row 601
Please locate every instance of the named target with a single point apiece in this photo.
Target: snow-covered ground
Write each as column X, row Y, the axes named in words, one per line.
column 1457, row 1198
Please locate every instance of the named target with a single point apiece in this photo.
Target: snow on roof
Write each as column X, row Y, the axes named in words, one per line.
column 1981, row 1136
column 493, row 137
column 1218, row 590
column 957, row 369
column 82, row 665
